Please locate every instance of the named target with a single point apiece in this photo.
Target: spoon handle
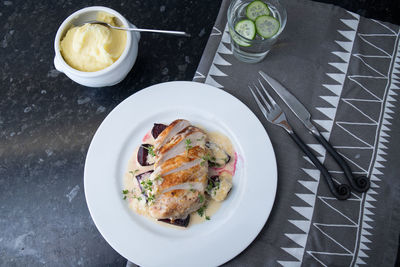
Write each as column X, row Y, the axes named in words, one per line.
column 178, row 33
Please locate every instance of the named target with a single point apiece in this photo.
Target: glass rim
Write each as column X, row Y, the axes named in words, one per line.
column 281, row 26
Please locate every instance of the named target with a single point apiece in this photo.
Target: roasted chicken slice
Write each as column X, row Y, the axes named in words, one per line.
column 180, row 173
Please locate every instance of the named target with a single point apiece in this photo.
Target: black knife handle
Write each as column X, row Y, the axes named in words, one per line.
column 361, row 183
column 341, row 191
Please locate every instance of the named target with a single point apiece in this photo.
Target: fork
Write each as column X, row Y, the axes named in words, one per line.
column 274, row 114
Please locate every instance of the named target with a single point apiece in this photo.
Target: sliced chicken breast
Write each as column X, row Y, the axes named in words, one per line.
column 181, row 165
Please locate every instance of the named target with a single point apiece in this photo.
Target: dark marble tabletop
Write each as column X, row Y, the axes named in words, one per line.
column 47, row 121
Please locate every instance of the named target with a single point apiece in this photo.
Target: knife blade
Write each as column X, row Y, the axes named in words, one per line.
column 291, row 101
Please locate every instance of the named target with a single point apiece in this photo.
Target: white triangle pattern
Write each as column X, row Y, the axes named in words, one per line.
column 333, row 100
column 215, row 31
column 299, row 239
column 326, row 124
column 290, row 263
column 379, row 161
column 301, row 224
column 336, row 88
column 352, row 23
column 296, row 252
column 308, row 198
column 338, row 77
column 318, row 148
column 218, row 59
column 198, row 75
column 310, row 185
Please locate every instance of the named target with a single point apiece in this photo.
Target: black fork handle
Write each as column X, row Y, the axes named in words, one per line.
column 342, row 191
column 361, row 183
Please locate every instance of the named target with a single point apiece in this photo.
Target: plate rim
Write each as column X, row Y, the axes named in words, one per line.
column 178, row 84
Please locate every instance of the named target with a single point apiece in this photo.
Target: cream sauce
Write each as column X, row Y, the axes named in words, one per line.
column 134, row 168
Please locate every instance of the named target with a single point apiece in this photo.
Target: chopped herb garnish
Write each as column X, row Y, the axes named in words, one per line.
column 213, row 185
column 138, row 198
column 204, row 159
column 147, row 185
column 158, row 178
column 151, row 198
column 134, row 172
column 201, row 198
column 188, row 142
column 147, row 190
column 129, row 194
column 208, row 218
column 201, row 211
column 150, row 150
column 210, row 186
column 217, row 185
column 199, row 139
column 212, row 161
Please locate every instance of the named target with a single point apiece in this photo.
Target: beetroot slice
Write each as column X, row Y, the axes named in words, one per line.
column 157, row 129
column 142, row 154
column 177, row 222
column 141, row 177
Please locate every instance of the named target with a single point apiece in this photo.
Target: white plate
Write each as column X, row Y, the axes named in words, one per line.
column 241, row 216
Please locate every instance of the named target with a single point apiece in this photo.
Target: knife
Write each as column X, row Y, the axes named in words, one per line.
column 360, row 183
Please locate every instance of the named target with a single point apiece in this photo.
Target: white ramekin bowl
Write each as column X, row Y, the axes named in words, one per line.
column 114, row 73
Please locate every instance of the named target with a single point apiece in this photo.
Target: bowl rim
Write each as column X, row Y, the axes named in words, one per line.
column 66, row 67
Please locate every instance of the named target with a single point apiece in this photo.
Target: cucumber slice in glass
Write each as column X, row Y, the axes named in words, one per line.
column 267, row 26
column 255, row 9
column 245, row 28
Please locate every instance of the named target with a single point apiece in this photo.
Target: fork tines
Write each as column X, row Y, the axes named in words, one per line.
column 266, row 100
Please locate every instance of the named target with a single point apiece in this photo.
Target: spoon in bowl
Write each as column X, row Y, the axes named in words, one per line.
column 178, row 33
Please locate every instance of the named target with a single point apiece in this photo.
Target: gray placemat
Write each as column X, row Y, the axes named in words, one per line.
column 346, row 70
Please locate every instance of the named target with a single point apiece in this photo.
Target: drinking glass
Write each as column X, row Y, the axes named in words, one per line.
column 247, row 50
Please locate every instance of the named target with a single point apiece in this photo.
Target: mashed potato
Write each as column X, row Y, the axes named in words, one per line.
column 93, row 47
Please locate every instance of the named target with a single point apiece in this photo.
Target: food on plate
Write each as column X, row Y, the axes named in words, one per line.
column 145, row 155
column 219, row 186
column 93, row 47
column 177, row 222
column 219, row 157
column 179, row 173
column 157, row 129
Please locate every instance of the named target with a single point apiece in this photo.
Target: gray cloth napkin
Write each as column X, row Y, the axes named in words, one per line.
column 346, row 70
